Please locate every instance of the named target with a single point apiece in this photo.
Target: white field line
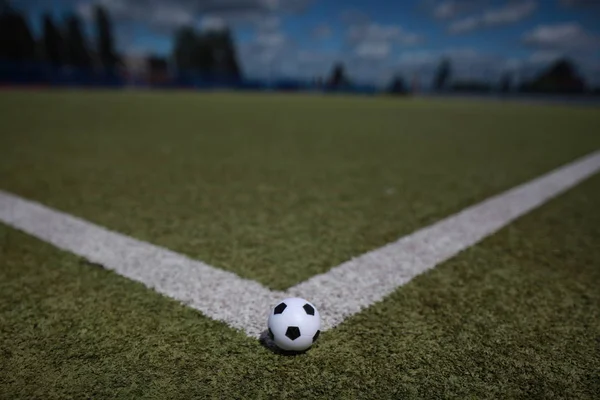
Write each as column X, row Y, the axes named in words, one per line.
column 338, row 293
column 358, row 283
column 218, row 294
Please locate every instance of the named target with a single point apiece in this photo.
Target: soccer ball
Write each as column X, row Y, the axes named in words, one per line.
column 294, row 324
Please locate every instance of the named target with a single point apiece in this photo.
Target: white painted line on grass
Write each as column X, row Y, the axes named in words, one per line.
column 339, row 293
column 218, row 294
column 358, row 283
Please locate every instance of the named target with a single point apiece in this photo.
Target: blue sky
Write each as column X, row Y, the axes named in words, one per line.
column 375, row 39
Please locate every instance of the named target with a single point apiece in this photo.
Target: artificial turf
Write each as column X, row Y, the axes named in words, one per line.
column 278, row 188
column 517, row 316
column 275, row 188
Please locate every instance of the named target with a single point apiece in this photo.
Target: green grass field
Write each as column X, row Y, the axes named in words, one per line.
column 280, row 188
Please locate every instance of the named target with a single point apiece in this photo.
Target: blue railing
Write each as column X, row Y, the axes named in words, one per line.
column 41, row 74
column 31, row 73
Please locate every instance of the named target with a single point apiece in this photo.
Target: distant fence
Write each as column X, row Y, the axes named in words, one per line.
column 41, row 74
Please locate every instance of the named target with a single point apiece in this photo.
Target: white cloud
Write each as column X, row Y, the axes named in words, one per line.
column 508, row 14
column 449, row 9
column 511, row 13
column 418, row 59
column 268, row 50
column 374, row 32
column 167, row 16
column 270, row 40
column 465, row 25
column 211, row 23
column 170, row 14
column 316, row 57
column 446, row 10
column 85, row 10
column 287, row 59
column 567, row 37
column 371, row 46
column 158, row 14
column 378, row 50
column 376, row 41
column 371, row 41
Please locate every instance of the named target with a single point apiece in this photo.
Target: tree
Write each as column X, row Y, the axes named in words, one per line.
column 442, row 75
column 505, row 83
column 183, row 49
column 16, row 40
column 398, row 86
column 231, row 62
column 224, row 55
column 77, row 51
column 338, row 76
column 52, row 42
column 211, row 53
column 203, row 54
column 105, row 42
column 4, row 6
column 559, row 77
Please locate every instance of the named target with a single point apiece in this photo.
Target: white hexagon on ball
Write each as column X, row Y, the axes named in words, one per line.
column 294, row 324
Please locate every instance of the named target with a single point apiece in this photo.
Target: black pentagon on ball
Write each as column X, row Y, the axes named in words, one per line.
column 280, row 307
column 293, row 332
column 309, row 309
column 316, row 336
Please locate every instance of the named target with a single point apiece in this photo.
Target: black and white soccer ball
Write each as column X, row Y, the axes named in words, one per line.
column 294, row 324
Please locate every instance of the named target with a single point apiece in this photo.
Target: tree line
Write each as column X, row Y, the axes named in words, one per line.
column 64, row 43
column 212, row 53
column 60, row 43
column 561, row 77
